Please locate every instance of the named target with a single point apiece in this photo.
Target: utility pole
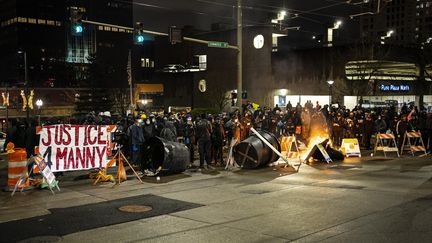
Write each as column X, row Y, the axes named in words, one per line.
column 239, row 55
column 7, row 106
column 26, row 85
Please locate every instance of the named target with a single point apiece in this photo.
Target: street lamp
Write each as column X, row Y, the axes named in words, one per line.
column 280, row 17
column 330, row 84
column 336, row 26
column 388, row 35
column 39, row 104
column 25, row 81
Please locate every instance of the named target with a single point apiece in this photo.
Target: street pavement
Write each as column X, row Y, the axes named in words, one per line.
column 372, row 199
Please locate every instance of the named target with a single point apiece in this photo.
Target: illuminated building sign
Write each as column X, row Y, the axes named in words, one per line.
column 392, row 87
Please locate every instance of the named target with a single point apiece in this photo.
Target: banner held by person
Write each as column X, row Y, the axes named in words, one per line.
column 74, row 147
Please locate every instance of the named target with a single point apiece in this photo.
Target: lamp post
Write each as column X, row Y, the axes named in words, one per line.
column 330, row 84
column 336, row 26
column 39, row 104
column 25, row 82
column 239, row 55
column 388, row 35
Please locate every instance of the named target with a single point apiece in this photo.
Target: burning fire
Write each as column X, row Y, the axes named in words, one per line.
column 317, row 134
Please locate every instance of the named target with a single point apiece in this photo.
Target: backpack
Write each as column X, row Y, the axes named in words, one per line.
column 167, row 134
column 202, row 130
column 217, row 134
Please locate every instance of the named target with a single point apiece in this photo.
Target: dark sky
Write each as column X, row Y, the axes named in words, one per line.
column 311, row 15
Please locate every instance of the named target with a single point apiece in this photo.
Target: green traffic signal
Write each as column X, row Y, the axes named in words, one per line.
column 140, row 38
column 78, row 29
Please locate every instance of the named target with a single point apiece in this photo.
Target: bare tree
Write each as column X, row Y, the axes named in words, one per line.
column 120, row 97
column 219, row 97
column 363, row 63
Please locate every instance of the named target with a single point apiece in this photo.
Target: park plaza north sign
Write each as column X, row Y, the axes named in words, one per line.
column 394, row 88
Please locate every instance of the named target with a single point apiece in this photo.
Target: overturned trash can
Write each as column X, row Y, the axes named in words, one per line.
column 172, row 157
column 253, row 152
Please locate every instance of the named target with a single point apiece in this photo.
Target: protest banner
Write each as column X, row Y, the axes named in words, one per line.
column 74, row 147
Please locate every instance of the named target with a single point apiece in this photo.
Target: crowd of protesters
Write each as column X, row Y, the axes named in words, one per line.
column 210, row 133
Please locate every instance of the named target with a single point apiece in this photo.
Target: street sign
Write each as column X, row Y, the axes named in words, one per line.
column 217, row 44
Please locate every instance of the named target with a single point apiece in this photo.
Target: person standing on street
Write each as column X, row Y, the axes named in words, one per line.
column 136, row 136
column 402, row 127
column 218, row 137
column 189, row 138
column 203, row 135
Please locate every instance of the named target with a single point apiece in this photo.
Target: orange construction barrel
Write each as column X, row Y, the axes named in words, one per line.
column 17, row 165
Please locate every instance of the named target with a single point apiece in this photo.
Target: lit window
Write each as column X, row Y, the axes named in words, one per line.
column 22, row 20
column 41, row 21
column 114, row 29
column 202, row 62
column 107, row 28
column 32, row 21
column 58, row 23
column 100, row 27
column 121, row 30
column 50, row 22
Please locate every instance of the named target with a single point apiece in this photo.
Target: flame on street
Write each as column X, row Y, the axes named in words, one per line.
column 318, row 132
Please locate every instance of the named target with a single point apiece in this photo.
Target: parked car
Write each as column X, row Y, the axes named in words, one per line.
column 394, row 103
column 2, row 140
column 173, row 68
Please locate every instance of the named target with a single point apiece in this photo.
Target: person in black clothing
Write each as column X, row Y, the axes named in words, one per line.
column 277, row 108
column 136, row 137
column 203, row 135
column 402, row 126
column 217, row 138
column 380, row 125
column 31, row 141
column 148, row 129
column 31, row 138
column 289, row 106
column 368, row 130
column 19, row 137
column 189, row 138
column 10, row 133
column 169, row 131
column 338, row 130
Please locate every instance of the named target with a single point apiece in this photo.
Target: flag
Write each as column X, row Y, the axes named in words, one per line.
column 129, row 72
column 129, row 69
column 410, row 115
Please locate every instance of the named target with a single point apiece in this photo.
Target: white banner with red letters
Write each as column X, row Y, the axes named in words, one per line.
column 74, row 147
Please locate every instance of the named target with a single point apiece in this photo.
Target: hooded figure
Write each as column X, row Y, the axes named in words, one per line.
column 169, row 131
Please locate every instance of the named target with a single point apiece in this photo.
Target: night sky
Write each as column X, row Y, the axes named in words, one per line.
column 313, row 16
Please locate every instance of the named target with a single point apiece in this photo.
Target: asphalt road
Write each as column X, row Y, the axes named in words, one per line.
column 372, row 199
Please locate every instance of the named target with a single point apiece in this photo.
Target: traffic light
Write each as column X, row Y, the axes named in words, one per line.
column 138, row 34
column 175, row 35
column 139, row 38
column 77, row 27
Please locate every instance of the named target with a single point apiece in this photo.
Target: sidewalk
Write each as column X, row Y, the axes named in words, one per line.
column 376, row 199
